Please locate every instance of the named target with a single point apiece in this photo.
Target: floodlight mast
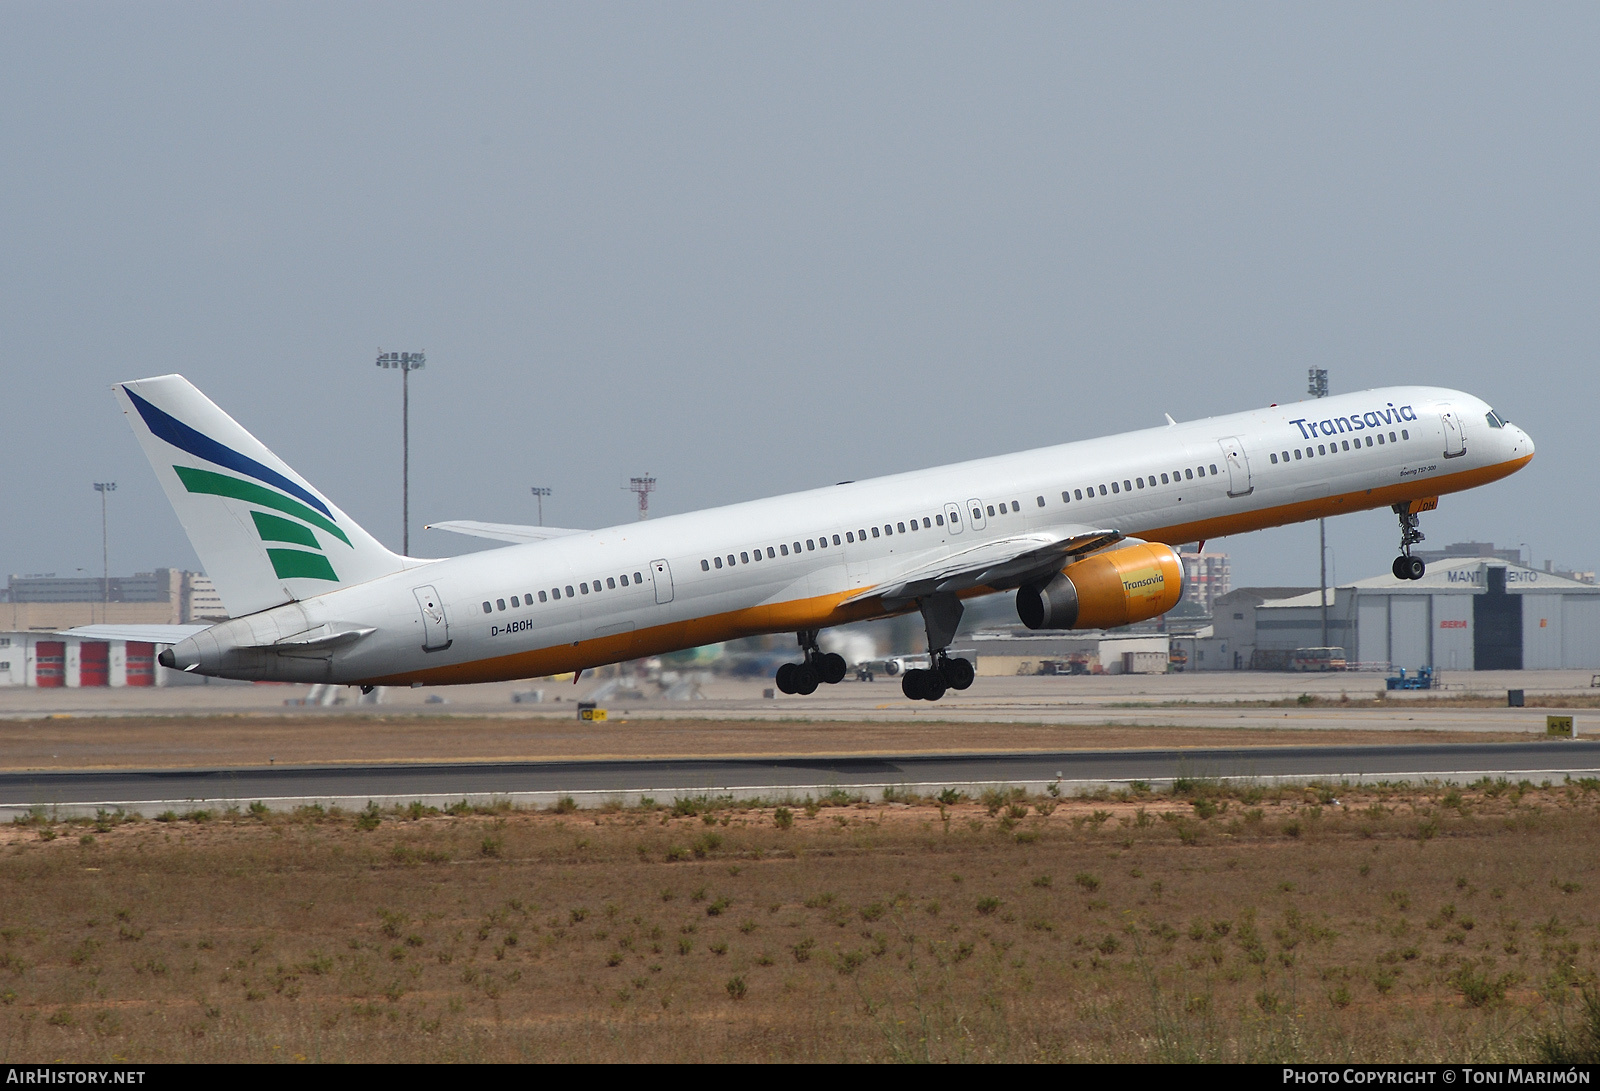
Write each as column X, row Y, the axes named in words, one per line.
column 1317, row 387
column 540, row 492
column 103, row 487
column 405, row 363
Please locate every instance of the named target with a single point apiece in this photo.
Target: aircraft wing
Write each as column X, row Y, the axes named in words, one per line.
column 151, row 634
column 1008, row 562
column 502, row 532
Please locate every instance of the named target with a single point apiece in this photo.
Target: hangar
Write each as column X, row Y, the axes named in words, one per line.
column 65, row 660
column 1465, row 614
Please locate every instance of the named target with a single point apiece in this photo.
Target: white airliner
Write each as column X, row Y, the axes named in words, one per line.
column 1082, row 532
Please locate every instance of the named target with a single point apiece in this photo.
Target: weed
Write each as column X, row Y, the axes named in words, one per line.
column 783, row 818
column 987, row 906
column 1576, row 1043
column 1478, row 988
column 1087, row 881
column 736, row 988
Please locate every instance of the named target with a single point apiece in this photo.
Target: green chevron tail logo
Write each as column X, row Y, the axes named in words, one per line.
column 300, row 530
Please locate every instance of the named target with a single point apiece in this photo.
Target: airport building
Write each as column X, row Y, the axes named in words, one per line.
column 166, row 596
column 61, row 660
column 1471, row 613
column 1006, row 654
column 1206, row 578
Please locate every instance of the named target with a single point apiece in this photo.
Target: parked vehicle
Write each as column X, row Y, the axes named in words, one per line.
column 1423, row 679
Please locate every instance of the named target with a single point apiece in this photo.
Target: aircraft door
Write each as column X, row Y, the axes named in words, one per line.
column 1455, row 439
column 661, row 573
column 952, row 518
column 1238, row 467
column 975, row 509
column 435, row 626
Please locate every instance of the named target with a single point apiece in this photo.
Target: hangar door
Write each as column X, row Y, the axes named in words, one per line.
column 1580, row 632
column 1541, row 632
column 1409, row 646
column 1372, row 630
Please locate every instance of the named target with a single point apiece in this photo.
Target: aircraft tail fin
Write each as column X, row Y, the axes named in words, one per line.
column 264, row 535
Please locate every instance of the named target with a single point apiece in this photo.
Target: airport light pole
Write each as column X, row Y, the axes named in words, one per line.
column 540, row 492
column 1317, row 387
column 104, row 487
column 405, row 363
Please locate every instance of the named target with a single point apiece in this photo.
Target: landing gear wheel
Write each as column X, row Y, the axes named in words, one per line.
column 957, row 673
column 805, row 679
column 786, row 678
column 911, row 684
column 933, row 686
column 831, row 668
column 1399, row 568
column 1415, row 569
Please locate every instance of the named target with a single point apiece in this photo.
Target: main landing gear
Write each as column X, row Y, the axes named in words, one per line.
column 1407, row 567
column 941, row 614
column 818, row 668
column 946, row 674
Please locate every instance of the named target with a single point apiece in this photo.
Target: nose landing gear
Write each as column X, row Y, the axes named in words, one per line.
column 818, row 668
column 1407, row 567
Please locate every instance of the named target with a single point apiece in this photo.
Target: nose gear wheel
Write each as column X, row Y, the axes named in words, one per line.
column 1407, row 567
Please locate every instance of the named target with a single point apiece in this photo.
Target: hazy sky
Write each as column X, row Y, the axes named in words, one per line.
column 757, row 248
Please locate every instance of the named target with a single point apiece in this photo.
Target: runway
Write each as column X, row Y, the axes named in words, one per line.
column 594, row 783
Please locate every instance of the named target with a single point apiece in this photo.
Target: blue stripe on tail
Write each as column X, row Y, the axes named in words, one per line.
column 181, row 436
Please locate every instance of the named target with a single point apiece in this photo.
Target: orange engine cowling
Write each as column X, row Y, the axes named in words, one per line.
column 1114, row 588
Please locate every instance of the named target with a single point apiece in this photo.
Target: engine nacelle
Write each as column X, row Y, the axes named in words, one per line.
column 1114, row 588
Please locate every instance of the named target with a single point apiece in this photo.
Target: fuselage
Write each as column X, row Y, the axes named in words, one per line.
column 808, row 560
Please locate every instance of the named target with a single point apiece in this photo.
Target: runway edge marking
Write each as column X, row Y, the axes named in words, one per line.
column 773, row 794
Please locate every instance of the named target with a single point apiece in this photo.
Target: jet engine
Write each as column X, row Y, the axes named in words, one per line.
column 1120, row 586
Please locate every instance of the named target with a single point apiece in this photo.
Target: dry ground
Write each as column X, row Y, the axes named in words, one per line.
column 82, row 742
column 1382, row 699
column 1419, row 925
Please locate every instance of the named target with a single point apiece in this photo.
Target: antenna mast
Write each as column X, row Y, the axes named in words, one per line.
column 642, row 487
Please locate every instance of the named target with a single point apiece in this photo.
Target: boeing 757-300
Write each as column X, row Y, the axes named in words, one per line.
column 1082, row 533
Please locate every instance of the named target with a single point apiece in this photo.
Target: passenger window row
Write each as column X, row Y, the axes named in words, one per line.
column 822, row 541
column 1340, row 445
column 730, row 560
column 1125, row 485
column 611, row 583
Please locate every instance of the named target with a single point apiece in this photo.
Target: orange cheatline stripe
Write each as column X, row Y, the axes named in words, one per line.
column 1322, row 507
column 823, row 611
column 819, row 612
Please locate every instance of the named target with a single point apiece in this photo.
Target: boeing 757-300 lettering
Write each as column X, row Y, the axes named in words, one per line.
column 1082, row 533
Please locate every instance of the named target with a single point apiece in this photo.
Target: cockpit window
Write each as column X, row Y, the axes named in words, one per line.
column 1496, row 420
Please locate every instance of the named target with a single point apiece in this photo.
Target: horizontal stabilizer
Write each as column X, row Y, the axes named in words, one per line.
column 1008, row 562
column 502, row 532
column 149, row 634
